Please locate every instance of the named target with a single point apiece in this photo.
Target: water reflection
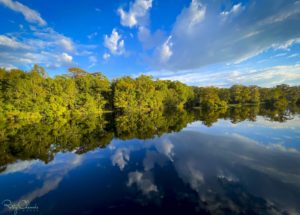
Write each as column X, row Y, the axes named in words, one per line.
column 43, row 140
column 223, row 162
column 236, row 174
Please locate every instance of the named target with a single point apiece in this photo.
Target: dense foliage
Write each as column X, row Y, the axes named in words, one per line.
column 143, row 93
column 34, row 95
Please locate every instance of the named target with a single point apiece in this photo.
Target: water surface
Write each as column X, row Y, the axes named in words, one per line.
column 239, row 161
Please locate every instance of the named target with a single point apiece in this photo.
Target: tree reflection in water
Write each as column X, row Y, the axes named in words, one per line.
column 23, row 141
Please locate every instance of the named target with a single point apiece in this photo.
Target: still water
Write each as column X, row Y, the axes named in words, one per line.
column 239, row 161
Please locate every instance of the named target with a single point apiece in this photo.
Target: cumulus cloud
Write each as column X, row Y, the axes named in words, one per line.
column 30, row 15
column 201, row 36
column 136, row 14
column 114, row 43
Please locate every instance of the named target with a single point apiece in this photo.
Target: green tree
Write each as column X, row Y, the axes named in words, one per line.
column 236, row 94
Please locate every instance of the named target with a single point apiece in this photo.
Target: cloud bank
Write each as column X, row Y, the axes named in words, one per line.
column 45, row 46
column 203, row 34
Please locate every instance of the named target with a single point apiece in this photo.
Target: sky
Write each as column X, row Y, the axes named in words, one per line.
column 198, row 42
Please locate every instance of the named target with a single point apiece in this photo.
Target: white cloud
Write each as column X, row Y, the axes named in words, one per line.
column 114, row 43
column 196, row 13
column 106, row 56
column 143, row 33
column 165, row 51
column 93, row 60
column 234, row 10
column 293, row 55
column 267, row 77
column 92, row 35
column 67, row 58
column 150, row 40
column 201, row 36
column 49, row 37
column 44, row 46
column 136, row 14
column 285, row 45
column 190, row 17
column 280, row 54
column 66, row 43
column 36, row 45
column 6, row 41
column 30, row 15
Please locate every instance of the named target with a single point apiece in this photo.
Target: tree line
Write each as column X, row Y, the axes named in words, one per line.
column 33, row 95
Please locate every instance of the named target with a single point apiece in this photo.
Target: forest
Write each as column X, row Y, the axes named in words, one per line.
column 34, row 95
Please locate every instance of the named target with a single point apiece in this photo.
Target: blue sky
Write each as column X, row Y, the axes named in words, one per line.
column 199, row 42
